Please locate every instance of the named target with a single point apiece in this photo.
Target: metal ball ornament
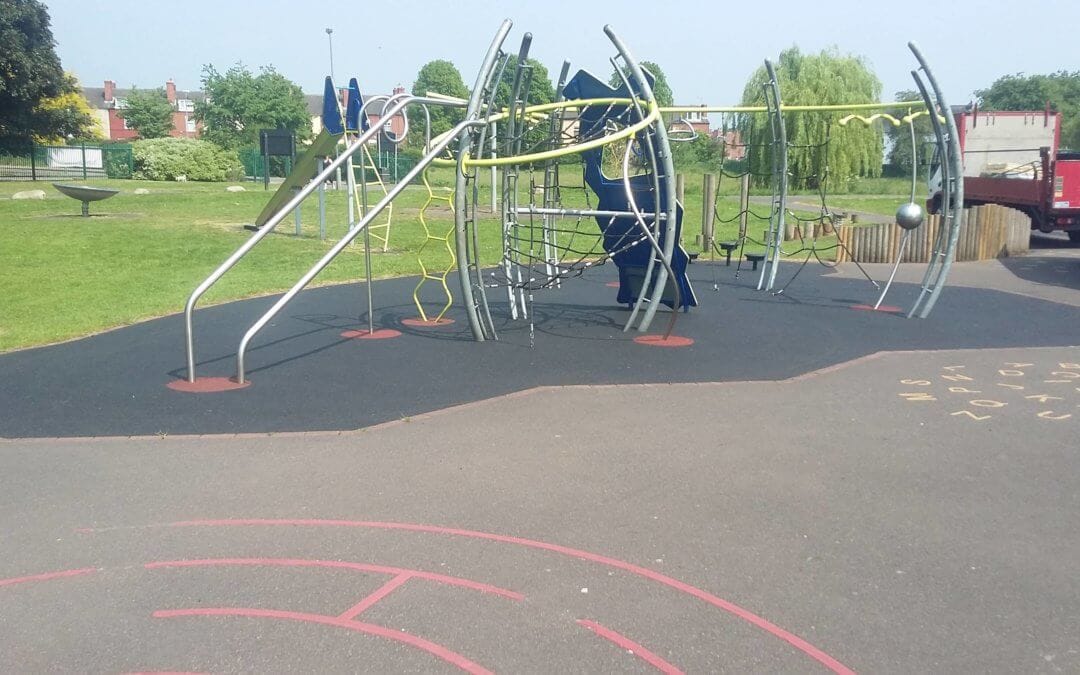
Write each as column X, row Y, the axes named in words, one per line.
column 909, row 216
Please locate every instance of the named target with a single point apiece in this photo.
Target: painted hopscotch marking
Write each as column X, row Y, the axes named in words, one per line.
column 1047, row 391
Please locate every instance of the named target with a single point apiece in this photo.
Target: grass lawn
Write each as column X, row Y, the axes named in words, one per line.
column 140, row 256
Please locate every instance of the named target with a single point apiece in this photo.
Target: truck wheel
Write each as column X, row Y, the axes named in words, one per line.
column 1074, row 236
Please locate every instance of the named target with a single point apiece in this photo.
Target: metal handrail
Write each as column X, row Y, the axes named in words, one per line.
column 268, row 227
column 346, row 240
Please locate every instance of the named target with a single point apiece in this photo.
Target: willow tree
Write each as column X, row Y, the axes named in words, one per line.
column 819, row 148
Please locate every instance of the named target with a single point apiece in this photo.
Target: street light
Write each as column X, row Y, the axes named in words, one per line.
column 330, row 39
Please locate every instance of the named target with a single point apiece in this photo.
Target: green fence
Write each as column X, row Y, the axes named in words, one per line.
column 390, row 167
column 254, row 168
column 66, row 162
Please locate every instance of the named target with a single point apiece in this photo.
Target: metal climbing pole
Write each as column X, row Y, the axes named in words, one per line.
column 552, row 198
column 514, row 127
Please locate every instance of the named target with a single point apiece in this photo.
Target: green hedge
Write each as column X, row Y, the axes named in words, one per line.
column 171, row 158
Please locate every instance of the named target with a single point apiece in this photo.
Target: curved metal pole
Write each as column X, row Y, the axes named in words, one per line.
column 488, row 105
column 387, row 133
column 896, row 266
column 781, row 130
column 956, row 161
column 946, row 194
column 692, row 133
column 914, row 156
column 668, row 172
column 341, row 244
column 460, row 203
column 677, row 295
column 643, row 295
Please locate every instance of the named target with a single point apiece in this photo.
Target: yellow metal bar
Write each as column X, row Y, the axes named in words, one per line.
column 425, row 273
column 896, row 105
column 843, row 121
column 384, row 238
column 654, row 114
column 885, row 116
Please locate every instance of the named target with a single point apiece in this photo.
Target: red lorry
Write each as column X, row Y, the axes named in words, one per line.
column 1012, row 159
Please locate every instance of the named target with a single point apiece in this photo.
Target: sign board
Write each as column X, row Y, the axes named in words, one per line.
column 277, row 143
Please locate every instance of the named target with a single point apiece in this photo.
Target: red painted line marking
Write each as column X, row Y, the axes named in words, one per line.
column 336, row 564
column 416, row 641
column 383, row 591
column 730, row 607
column 47, row 576
column 631, row 646
column 612, row 284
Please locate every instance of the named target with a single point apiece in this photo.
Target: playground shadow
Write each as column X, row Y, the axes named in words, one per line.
column 1062, row 271
column 1052, row 241
column 1053, row 260
column 306, row 376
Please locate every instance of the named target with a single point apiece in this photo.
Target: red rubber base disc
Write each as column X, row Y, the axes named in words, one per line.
column 378, row 334
column 207, row 385
column 612, row 284
column 661, row 341
column 430, row 323
column 884, row 308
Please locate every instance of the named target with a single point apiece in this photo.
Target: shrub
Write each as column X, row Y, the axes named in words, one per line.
column 118, row 160
column 168, row 158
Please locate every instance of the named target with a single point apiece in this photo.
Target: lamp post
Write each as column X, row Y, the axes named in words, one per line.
column 330, row 39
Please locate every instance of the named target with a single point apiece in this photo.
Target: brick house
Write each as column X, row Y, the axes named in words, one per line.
column 107, row 103
column 734, row 148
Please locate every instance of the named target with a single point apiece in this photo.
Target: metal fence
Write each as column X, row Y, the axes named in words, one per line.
column 51, row 162
column 255, row 169
column 390, row 167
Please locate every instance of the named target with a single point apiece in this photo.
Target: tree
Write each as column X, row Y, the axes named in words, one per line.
column 238, row 104
column 1061, row 90
column 899, row 138
column 30, row 72
column 148, row 112
column 69, row 115
column 700, row 152
column 816, row 142
column 660, row 87
column 441, row 77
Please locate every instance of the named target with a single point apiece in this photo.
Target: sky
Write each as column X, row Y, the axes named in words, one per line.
column 708, row 49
